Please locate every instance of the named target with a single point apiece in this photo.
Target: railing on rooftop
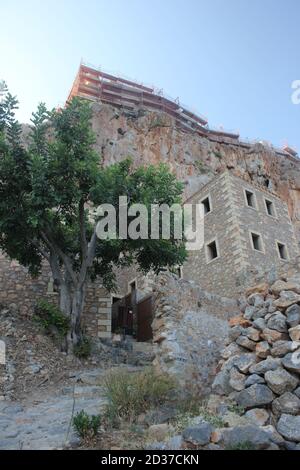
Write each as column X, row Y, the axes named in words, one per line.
column 189, row 115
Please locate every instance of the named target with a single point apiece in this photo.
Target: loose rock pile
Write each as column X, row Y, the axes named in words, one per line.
column 260, row 367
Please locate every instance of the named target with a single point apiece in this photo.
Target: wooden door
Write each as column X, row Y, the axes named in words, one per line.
column 144, row 319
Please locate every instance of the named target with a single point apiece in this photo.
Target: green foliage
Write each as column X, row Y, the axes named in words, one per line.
column 45, row 189
column 86, row 426
column 49, row 189
column 82, row 350
column 202, row 167
column 191, row 408
column 130, row 394
column 237, row 409
column 157, row 122
column 217, row 154
column 49, row 317
column 241, row 446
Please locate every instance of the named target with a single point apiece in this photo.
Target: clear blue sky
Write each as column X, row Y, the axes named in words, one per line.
column 233, row 61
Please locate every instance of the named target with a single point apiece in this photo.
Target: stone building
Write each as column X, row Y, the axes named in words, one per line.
column 247, row 227
column 247, row 230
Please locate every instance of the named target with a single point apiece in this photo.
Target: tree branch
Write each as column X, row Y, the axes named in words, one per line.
column 41, row 250
column 83, row 240
column 65, row 259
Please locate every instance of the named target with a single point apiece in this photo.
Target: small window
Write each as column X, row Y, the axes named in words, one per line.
column 206, row 205
column 282, row 251
column 250, row 198
column 257, row 242
column 212, row 251
column 270, row 208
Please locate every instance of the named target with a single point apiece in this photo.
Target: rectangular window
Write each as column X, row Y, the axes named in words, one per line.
column 282, row 251
column 206, row 205
column 256, row 240
column 250, row 198
column 270, row 208
column 212, row 251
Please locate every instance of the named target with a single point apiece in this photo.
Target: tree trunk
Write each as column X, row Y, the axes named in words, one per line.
column 71, row 304
column 65, row 298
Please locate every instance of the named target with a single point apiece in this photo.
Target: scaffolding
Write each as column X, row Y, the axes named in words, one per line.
column 98, row 85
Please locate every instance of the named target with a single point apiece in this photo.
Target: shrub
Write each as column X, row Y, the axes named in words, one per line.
column 237, row 409
column 246, row 445
column 83, row 348
column 202, row 167
column 50, row 317
column 192, row 408
column 86, row 426
column 130, row 394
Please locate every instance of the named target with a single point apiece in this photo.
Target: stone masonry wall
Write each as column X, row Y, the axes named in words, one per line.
column 271, row 229
column 218, row 275
column 230, row 223
column 17, row 287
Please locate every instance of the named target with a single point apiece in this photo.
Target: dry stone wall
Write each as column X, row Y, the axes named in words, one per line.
column 260, row 367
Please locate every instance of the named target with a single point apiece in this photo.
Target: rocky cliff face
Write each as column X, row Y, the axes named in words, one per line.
column 151, row 137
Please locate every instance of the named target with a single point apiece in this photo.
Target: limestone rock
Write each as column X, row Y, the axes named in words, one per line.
column 293, row 315
column 221, row 385
column 286, row 299
column 287, row 403
column 258, row 416
column 256, row 300
column 281, row 348
column 289, row 427
column 297, row 392
column 198, row 436
column 250, row 310
column 239, row 321
column 281, row 381
column 272, row 335
column 237, row 380
column 274, row 435
column 250, row 433
column 262, row 349
column 254, row 396
column 252, row 333
column 262, row 367
column 292, row 361
column 246, row 343
column 244, row 362
column 277, row 322
column 231, row 350
column 254, row 379
column 235, row 332
column 295, row 333
column 261, row 313
column 280, row 286
column 260, row 324
column 258, row 289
